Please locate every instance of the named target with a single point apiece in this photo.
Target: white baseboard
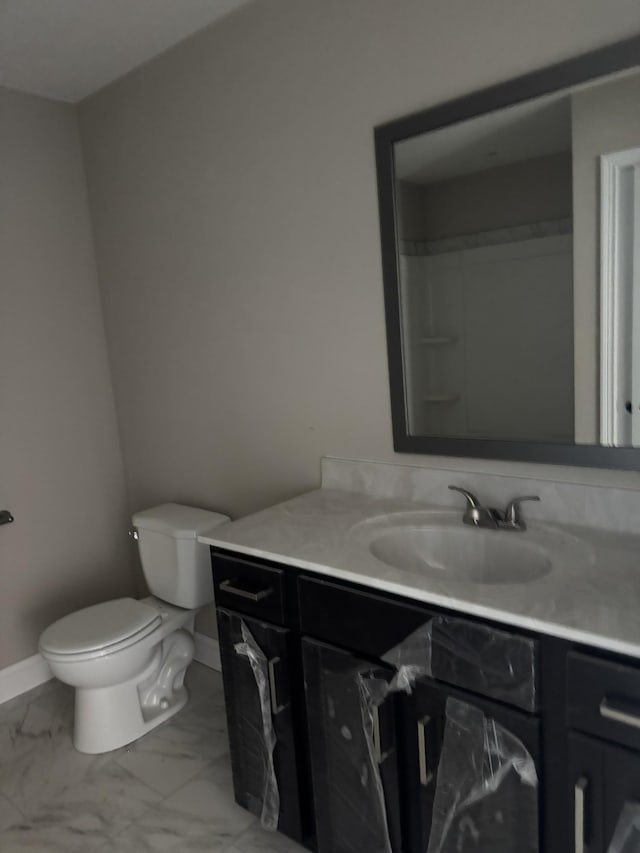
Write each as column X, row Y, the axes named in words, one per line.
column 207, row 651
column 31, row 672
column 23, row 676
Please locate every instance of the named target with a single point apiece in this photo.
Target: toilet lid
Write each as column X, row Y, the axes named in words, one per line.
column 102, row 625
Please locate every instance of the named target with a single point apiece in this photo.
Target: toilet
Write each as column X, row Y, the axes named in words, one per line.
column 127, row 658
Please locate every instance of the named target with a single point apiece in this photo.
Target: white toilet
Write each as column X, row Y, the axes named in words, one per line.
column 126, row 658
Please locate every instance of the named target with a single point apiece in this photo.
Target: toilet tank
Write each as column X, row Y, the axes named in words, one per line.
column 176, row 567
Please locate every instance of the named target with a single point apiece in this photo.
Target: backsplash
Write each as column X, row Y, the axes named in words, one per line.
column 602, row 507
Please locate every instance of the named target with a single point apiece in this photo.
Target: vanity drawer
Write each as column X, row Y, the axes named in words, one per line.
column 603, row 698
column 249, row 587
column 356, row 620
column 480, row 658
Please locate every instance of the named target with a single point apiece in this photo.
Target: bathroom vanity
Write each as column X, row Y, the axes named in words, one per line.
column 403, row 707
column 397, row 681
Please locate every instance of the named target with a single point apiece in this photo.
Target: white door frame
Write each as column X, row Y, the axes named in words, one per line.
column 619, row 294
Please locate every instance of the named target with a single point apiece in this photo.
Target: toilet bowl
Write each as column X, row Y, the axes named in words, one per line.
column 125, row 658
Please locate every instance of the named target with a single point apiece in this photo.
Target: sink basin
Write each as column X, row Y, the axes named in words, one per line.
column 469, row 554
column 436, row 544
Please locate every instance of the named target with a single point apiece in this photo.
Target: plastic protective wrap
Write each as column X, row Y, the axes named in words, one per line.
column 270, row 808
column 626, row 838
column 347, row 729
column 486, row 795
column 411, row 658
column 476, row 657
column 372, row 694
column 487, row 788
column 486, row 791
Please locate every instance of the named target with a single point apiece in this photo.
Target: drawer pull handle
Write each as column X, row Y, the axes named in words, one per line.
column 375, row 722
column 229, row 586
column 619, row 715
column 273, row 691
column 579, row 794
column 425, row 775
column 379, row 755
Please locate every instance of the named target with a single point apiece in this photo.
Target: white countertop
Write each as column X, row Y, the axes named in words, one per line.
column 593, row 598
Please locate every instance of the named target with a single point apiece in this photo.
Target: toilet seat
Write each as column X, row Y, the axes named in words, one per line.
column 99, row 630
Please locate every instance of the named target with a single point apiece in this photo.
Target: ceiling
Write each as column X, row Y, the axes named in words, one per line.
column 532, row 129
column 69, row 49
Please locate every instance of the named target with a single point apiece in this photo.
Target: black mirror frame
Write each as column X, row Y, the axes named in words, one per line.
column 608, row 60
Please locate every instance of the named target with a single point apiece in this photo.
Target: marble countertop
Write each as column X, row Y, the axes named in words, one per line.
column 592, row 596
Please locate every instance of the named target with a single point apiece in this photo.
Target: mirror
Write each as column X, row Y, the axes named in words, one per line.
column 510, row 224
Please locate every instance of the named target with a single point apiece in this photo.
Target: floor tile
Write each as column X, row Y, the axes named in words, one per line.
column 9, row 814
column 177, row 751
column 204, row 683
column 203, row 726
column 25, row 698
column 258, row 840
column 110, row 798
column 42, row 774
column 171, row 792
column 219, row 772
column 200, row 817
column 27, row 726
column 51, row 833
column 38, row 760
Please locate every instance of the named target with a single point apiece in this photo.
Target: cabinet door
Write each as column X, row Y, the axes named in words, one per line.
column 621, row 786
column 477, row 762
column 585, row 794
column 353, row 753
column 249, row 756
column 603, row 778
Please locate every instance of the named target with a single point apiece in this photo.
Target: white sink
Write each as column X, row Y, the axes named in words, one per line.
column 437, row 544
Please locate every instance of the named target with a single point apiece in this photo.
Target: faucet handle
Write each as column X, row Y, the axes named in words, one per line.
column 512, row 516
column 474, row 503
column 475, row 513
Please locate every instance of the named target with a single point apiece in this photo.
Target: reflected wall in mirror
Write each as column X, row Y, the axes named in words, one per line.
column 511, row 247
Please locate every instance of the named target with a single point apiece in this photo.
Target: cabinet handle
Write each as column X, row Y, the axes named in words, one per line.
column 375, row 720
column 425, row 775
column 621, row 714
column 378, row 754
column 275, row 708
column 579, row 794
column 228, row 586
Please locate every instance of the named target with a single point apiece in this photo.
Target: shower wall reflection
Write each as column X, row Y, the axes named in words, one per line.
column 497, row 226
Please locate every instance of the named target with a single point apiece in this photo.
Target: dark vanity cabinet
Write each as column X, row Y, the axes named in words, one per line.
column 505, row 819
column 603, row 711
column 354, row 751
column 247, row 708
column 603, row 780
column 260, row 675
column 506, row 742
column 410, row 736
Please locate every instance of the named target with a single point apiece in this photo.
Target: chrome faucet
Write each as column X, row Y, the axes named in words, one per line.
column 495, row 519
column 512, row 518
column 476, row 514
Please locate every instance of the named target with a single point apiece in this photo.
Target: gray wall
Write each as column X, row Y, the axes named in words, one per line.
column 516, row 194
column 233, row 191
column 61, row 468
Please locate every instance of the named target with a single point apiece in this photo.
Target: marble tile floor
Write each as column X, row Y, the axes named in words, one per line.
column 170, row 791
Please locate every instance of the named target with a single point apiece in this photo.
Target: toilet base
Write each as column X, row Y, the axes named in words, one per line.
column 107, row 718
column 103, row 724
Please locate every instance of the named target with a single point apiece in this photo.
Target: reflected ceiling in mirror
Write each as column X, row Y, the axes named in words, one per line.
column 510, row 243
